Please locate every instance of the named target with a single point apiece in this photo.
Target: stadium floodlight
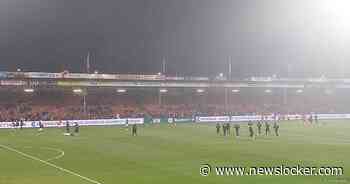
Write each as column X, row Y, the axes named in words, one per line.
column 159, row 73
column 221, row 75
column 300, row 91
column 200, row 90
column 121, row 90
column 268, row 91
column 77, row 90
column 235, row 91
column 95, row 72
column 29, row 90
column 163, row 90
column 19, row 70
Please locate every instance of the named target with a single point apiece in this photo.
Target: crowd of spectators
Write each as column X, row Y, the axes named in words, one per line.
column 62, row 107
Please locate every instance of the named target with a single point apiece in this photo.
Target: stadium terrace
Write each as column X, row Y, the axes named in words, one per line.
column 63, row 96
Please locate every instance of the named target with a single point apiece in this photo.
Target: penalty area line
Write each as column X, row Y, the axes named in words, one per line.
column 50, row 164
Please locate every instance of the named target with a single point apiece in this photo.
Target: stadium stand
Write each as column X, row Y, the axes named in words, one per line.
column 61, row 106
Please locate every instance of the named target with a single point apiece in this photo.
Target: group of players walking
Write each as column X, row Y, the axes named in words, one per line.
column 67, row 125
column 76, row 128
column 226, row 128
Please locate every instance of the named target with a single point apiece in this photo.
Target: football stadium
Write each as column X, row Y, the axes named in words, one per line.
column 186, row 91
column 180, row 128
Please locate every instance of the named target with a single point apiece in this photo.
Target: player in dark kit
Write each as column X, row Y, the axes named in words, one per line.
column 217, row 128
column 267, row 128
column 67, row 127
column 251, row 131
column 228, row 126
column 76, row 127
column 224, row 129
column 41, row 126
column 237, row 126
column 316, row 118
column 259, row 125
column 276, row 127
column 134, row 130
column 21, row 124
column 310, row 119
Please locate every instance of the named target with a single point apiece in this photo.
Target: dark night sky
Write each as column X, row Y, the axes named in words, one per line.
column 196, row 37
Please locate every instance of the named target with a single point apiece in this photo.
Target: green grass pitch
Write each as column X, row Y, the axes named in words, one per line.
column 161, row 154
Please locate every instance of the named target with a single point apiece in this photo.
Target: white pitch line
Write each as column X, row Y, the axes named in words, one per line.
column 51, row 149
column 56, row 157
column 50, row 164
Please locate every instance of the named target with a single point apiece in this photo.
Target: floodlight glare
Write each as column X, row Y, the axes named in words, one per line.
column 29, row 90
column 77, row 90
column 121, row 90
